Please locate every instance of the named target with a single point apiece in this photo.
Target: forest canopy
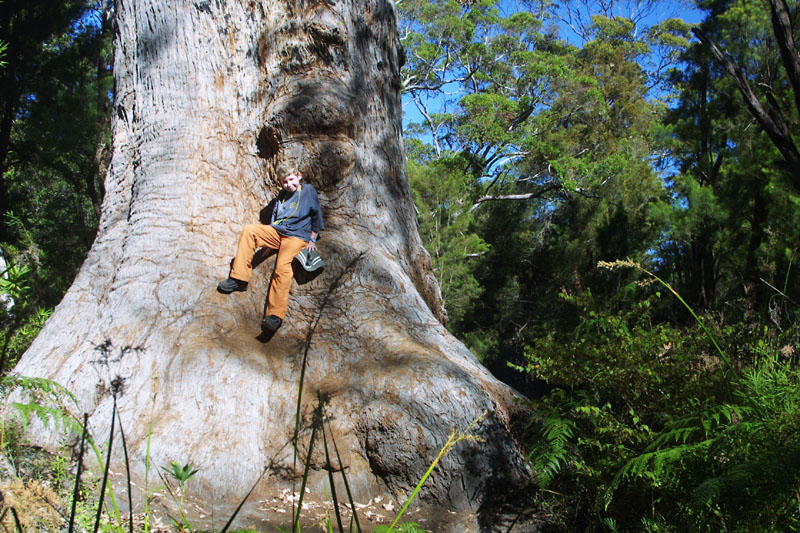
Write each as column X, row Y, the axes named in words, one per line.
column 609, row 197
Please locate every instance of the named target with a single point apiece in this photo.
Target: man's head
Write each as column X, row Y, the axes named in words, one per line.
column 290, row 179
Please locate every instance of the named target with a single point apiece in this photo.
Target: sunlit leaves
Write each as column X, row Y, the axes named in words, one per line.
column 486, row 118
column 491, row 73
column 14, row 282
column 443, row 196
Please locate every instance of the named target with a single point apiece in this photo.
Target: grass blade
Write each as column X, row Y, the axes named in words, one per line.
column 297, row 428
column 105, row 470
column 16, row 520
column 127, row 473
column 424, row 478
column 666, row 285
column 239, row 507
column 146, row 479
column 455, row 437
column 346, row 484
column 296, row 523
column 330, row 476
column 76, row 491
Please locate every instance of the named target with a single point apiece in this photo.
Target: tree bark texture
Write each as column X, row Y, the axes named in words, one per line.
column 210, row 97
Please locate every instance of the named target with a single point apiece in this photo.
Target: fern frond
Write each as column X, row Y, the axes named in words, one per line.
column 550, row 453
column 47, row 400
column 37, row 386
column 45, row 414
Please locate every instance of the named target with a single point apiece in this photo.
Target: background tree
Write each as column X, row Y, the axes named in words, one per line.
column 32, row 35
column 631, row 150
column 55, row 126
column 443, row 196
column 568, row 132
column 769, row 117
column 731, row 220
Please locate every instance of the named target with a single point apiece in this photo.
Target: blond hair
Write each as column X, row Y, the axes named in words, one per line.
column 285, row 169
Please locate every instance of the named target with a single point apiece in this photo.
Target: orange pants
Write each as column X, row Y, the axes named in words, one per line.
column 255, row 236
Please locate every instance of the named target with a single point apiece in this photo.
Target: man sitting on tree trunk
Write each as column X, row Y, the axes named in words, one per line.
column 295, row 225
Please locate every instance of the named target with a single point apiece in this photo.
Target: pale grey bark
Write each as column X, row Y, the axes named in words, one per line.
column 211, row 96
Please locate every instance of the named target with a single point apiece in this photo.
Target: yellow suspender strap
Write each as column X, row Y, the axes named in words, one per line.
column 296, row 207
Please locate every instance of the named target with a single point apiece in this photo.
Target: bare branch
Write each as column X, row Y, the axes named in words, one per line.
column 516, row 197
column 782, row 27
column 770, row 120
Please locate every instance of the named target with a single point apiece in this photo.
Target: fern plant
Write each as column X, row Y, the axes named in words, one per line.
column 552, row 448
column 41, row 398
column 737, row 462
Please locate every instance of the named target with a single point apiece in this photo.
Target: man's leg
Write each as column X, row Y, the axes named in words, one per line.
column 283, row 276
column 254, row 236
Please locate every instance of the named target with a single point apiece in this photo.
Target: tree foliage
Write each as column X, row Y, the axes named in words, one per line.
column 54, row 149
column 443, row 200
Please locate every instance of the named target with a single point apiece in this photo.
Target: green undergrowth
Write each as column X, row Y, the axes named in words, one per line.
column 643, row 425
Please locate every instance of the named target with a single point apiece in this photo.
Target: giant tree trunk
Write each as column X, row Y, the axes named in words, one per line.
column 210, row 97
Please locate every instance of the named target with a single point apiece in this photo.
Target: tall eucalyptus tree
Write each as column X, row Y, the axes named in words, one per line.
column 210, row 98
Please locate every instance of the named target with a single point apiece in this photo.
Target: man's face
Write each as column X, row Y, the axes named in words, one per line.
column 291, row 182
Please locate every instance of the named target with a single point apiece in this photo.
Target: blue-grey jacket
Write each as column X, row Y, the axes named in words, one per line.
column 298, row 214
